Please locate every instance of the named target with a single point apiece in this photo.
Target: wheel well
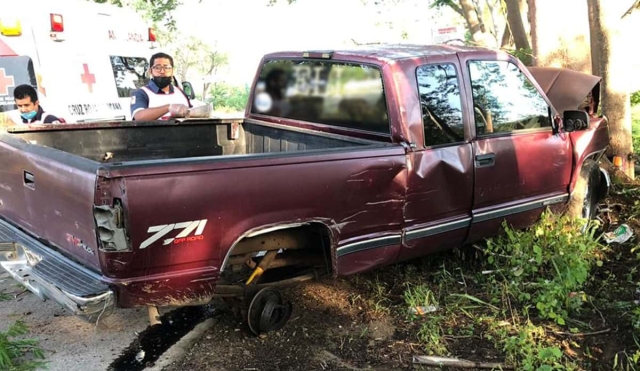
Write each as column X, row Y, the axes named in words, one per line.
column 282, row 254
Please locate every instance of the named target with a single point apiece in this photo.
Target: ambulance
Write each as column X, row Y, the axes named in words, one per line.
column 85, row 58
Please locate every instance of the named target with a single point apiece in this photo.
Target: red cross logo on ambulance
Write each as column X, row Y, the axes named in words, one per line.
column 87, row 77
column 6, row 82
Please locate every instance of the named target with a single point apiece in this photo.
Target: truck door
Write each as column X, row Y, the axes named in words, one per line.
column 521, row 165
column 440, row 177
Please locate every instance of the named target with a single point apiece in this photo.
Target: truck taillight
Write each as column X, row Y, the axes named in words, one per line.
column 152, row 34
column 57, row 25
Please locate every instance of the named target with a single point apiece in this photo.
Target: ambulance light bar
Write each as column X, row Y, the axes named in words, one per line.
column 57, row 25
column 10, row 27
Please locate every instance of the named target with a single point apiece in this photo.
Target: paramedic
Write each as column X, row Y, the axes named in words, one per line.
column 159, row 99
column 31, row 112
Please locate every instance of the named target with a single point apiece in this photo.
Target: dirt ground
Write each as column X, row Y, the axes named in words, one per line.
column 361, row 322
column 328, row 330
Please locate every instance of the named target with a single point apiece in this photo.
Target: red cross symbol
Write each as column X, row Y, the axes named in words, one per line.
column 6, row 82
column 88, row 78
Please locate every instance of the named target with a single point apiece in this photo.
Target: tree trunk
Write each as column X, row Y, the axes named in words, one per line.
column 616, row 104
column 506, row 37
column 533, row 22
column 473, row 23
column 514, row 18
column 593, row 36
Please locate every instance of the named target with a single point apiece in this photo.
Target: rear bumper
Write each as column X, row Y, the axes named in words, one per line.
column 50, row 275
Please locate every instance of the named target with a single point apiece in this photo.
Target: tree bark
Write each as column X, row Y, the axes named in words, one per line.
column 473, row 23
column 506, row 37
column 514, row 18
column 594, row 40
column 616, row 104
column 533, row 22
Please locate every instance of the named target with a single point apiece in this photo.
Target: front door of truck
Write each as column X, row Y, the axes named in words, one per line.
column 521, row 164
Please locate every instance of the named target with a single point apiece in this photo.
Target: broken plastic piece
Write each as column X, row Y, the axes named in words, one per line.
column 421, row 311
column 620, row 235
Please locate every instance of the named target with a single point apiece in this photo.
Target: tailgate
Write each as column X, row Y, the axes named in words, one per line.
column 49, row 194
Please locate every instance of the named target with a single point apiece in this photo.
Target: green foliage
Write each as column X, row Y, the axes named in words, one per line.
column 228, row 98
column 525, row 55
column 18, row 354
column 5, row 297
column 418, row 299
column 528, row 347
column 635, row 122
column 635, row 98
column 547, row 266
column 158, row 11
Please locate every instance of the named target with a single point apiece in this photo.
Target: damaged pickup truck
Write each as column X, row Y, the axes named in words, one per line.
column 345, row 161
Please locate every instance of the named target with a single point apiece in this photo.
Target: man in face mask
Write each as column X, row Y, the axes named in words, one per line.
column 159, row 99
column 26, row 99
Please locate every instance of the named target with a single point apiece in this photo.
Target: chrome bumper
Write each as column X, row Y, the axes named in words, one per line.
column 49, row 275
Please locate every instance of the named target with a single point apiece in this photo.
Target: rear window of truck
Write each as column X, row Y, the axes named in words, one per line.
column 325, row 92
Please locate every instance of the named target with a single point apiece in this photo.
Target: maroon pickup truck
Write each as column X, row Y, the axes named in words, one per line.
column 345, row 161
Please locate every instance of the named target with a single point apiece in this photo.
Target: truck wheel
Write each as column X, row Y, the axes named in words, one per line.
column 584, row 201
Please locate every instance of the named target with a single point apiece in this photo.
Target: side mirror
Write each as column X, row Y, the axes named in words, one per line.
column 575, row 120
column 188, row 89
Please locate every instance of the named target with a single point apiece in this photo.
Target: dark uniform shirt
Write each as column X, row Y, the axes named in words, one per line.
column 49, row 118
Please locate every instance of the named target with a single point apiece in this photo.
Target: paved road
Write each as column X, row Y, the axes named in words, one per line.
column 69, row 342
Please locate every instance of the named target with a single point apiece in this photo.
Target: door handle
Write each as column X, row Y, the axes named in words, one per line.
column 28, row 179
column 486, row 160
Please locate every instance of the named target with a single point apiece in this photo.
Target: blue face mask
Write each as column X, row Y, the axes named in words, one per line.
column 29, row 115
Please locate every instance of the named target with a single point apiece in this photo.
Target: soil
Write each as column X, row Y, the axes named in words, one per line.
column 361, row 322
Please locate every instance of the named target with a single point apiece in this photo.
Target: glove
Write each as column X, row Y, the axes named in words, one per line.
column 178, row 110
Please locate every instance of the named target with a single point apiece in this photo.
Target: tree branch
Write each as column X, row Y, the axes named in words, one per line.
column 454, row 362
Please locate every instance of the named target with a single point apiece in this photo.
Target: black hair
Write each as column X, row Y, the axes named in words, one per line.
column 23, row 91
column 160, row 55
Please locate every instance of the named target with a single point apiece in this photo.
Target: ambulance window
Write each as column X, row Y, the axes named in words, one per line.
column 129, row 74
column 14, row 71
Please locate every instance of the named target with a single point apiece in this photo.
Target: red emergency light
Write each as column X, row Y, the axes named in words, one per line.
column 152, row 34
column 57, row 25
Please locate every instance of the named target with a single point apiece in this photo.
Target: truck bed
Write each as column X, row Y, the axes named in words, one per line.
column 137, row 142
column 51, row 177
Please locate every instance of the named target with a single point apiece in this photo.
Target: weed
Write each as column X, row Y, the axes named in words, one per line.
column 547, row 266
column 19, row 354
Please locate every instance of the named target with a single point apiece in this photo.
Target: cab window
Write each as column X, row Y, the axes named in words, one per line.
column 326, row 92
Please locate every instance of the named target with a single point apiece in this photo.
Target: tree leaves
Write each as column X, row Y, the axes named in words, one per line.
column 158, row 11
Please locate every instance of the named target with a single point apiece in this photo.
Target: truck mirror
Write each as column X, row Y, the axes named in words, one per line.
column 575, row 120
column 188, row 89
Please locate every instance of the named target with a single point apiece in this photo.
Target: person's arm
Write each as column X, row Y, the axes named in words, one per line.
column 51, row 119
column 140, row 110
column 140, row 107
column 149, row 114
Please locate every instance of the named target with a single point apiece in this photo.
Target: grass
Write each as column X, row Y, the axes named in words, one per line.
column 546, row 298
column 18, row 353
column 635, row 127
